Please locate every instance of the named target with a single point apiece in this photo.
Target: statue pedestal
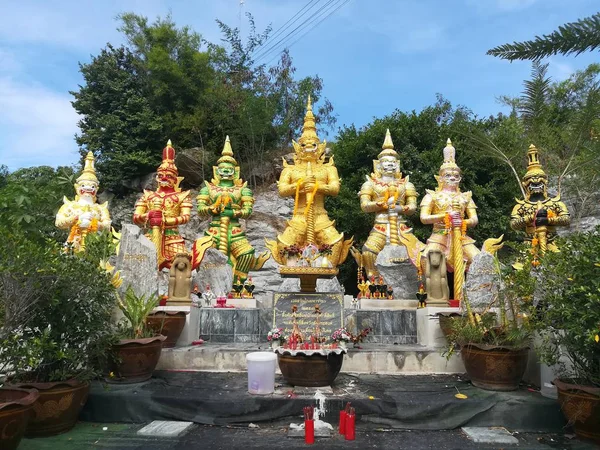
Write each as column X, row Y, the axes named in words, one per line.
column 375, row 303
column 240, row 302
column 308, row 275
column 191, row 330
column 429, row 332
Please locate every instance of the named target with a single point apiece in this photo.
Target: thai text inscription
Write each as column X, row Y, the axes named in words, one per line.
column 330, row 304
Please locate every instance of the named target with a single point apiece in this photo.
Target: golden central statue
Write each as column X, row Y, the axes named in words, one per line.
column 309, row 180
column 391, row 197
column 451, row 212
column 83, row 215
column 538, row 214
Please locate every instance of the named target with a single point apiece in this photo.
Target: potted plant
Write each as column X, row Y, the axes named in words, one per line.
column 291, row 255
column 494, row 347
column 569, row 323
column 16, row 408
column 136, row 354
column 57, row 328
column 275, row 337
column 167, row 323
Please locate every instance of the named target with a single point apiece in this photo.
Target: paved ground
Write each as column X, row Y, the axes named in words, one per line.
column 274, row 435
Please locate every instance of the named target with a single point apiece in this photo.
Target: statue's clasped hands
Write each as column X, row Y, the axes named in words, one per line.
column 155, row 218
column 455, row 218
column 85, row 220
column 309, row 184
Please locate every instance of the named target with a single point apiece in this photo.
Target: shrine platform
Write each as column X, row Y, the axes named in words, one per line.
column 371, row 358
column 418, row 402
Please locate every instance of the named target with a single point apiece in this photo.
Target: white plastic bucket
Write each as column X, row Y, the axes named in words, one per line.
column 261, row 372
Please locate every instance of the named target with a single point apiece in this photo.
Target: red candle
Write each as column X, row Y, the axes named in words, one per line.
column 342, row 427
column 309, row 431
column 350, row 427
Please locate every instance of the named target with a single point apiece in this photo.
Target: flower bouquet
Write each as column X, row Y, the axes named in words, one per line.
column 275, row 337
column 341, row 336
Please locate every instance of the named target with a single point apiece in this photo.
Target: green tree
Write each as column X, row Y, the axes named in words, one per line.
column 30, row 199
column 118, row 122
column 574, row 37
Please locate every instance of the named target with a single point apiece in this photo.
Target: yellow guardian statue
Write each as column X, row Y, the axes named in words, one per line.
column 226, row 199
column 538, row 214
column 309, row 180
column 162, row 212
column 83, row 215
column 391, row 197
column 452, row 213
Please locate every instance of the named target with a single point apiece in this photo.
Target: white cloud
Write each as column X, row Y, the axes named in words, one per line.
column 36, row 126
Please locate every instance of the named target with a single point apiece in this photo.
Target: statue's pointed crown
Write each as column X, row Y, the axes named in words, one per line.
column 534, row 166
column 449, row 157
column 89, row 171
column 227, row 153
column 168, row 160
column 309, row 129
column 388, row 146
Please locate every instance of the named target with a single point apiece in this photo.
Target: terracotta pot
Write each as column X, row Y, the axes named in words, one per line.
column 136, row 359
column 169, row 324
column 581, row 406
column 57, row 407
column 446, row 322
column 494, row 368
column 312, row 371
column 16, row 409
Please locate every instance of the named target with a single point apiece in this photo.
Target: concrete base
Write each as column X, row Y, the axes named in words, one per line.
column 374, row 303
column 242, row 302
column 191, row 330
column 371, row 358
column 429, row 332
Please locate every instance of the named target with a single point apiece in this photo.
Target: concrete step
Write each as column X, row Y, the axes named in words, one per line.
column 371, row 358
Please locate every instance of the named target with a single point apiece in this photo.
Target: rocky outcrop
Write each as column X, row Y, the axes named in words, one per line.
column 137, row 261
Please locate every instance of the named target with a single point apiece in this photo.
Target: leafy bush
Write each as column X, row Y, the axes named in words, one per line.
column 569, row 317
column 506, row 321
column 59, row 307
column 136, row 308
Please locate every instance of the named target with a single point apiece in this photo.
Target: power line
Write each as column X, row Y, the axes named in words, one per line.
column 274, row 46
column 282, row 27
column 331, row 12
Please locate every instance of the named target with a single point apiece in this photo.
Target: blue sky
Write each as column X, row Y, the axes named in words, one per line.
column 374, row 56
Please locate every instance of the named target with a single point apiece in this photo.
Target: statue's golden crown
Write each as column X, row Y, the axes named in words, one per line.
column 89, row 171
column 449, row 157
column 309, row 134
column 534, row 166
